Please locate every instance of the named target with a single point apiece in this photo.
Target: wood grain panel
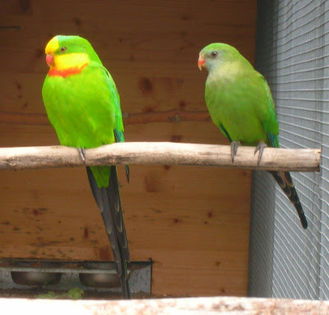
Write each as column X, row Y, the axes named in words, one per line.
column 193, row 222
column 151, row 52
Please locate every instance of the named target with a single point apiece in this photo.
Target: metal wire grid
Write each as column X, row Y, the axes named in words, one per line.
column 293, row 54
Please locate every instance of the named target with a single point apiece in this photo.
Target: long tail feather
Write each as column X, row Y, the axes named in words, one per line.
column 118, row 136
column 285, row 182
column 109, row 203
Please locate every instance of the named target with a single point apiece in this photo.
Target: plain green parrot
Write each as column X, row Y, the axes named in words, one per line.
column 83, row 105
column 240, row 104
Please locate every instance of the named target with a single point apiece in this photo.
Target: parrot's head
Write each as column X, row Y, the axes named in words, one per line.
column 69, row 52
column 216, row 54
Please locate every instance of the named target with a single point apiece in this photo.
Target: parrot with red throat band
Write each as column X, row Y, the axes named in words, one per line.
column 83, row 105
column 240, row 104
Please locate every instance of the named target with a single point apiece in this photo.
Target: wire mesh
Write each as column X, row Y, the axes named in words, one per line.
column 292, row 51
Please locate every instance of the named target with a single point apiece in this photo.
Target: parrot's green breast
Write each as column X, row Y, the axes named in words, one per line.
column 79, row 108
column 240, row 106
column 82, row 109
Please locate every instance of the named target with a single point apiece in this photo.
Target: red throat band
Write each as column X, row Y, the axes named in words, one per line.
column 67, row 72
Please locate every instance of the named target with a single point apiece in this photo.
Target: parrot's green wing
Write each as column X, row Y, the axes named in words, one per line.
column 118, row 129
column 242, row 106
column 271, row 125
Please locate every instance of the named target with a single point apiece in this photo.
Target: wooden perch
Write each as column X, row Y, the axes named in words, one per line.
column 160, row 153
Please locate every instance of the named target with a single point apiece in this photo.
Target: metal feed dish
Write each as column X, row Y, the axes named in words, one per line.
column 94, row 278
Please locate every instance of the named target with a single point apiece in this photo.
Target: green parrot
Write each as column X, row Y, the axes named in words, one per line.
column 83, row 105
column 240, row 104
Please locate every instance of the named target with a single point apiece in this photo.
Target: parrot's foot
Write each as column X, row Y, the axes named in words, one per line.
column 234, row 149
column 82, row 153
column 260, row 147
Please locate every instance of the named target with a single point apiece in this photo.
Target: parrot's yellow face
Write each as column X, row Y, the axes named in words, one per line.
column 61, row 57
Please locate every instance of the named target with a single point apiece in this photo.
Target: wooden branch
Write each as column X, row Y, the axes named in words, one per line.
column 160, row 153
column 199, row 305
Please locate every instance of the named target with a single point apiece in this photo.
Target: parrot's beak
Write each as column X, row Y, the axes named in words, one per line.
column 51, row 47
column 50, row 60
column 201, row 62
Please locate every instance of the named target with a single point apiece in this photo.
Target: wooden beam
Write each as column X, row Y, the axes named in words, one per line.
column 199, row 305
column 161, row 153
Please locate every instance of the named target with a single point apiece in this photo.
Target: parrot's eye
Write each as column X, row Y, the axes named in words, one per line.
column 63, row 49
column 214, row 54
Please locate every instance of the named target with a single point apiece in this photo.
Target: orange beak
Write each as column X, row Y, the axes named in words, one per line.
column 50, row 60
column 201, row 62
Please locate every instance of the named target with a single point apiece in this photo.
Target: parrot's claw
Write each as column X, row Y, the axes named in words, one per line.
column 234, row 149
column 82, row 153
column 260, row 147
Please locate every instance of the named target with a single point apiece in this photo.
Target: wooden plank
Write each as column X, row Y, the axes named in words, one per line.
column 39, row 219
column 199, row 305
column 182, row 24
column 156, row 58
column 22, row 93
column 43, row 217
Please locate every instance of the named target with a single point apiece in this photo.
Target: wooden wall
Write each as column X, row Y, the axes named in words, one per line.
column 192, row 222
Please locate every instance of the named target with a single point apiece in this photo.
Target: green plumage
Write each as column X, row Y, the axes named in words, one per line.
column 83, row 105
column 84, row 108
column 240, row 104
column 238, row 98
